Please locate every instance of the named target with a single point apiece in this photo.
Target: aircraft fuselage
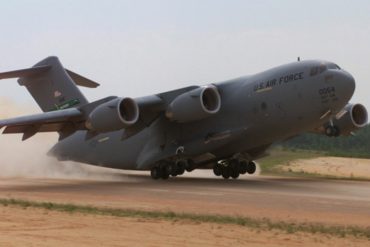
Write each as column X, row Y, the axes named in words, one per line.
column 256, row 111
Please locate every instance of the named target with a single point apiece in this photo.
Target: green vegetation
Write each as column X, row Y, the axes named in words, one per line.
column 281, row 156
column 309, row 146
column 262, row 224
column 344, row 146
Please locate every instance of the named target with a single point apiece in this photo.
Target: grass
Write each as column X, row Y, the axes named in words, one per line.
column 280, row 156
column 271, row 165
column 261, row 224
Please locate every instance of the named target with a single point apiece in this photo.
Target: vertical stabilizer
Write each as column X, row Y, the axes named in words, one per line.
column 53, row 88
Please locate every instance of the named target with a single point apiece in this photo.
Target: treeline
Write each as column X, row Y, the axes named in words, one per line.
column 348, row 146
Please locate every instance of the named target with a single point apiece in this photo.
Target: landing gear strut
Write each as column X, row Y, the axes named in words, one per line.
column 233, row 168
column 165, row 169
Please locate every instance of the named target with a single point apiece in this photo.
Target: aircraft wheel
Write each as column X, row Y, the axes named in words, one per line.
column 332, row 131
column 165, row 176
column 243, row 167
column 226, row 172
column 165, row 172
column 173, row 170
column 234, row 174
column 189, row 166
column 155, row 173
column 180, row 167
column 234, row 167
column 217, row 170
column 251, row 168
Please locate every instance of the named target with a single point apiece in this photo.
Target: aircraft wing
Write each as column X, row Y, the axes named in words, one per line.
column 42, row 122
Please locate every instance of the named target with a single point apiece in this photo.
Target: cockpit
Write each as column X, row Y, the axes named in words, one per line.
column 323, row 67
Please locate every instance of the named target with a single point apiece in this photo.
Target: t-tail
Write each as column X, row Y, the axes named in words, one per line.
column 51, row 85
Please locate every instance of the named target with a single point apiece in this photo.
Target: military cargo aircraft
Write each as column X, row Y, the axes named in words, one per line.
column 223, row 126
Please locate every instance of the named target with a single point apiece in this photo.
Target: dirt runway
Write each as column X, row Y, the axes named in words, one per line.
column 278, row 198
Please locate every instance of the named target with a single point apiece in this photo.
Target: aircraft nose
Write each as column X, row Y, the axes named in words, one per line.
column 347, row 85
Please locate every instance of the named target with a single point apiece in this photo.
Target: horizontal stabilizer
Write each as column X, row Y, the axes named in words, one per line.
column 82, row 81
column 25, row 72
column 38, row 70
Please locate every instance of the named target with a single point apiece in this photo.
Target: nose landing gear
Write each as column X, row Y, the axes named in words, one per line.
column 332, row 131
column 233, row 168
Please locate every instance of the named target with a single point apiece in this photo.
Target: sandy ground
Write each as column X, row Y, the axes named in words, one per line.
column 38, row 227
column 332, row 166
column 299, row 200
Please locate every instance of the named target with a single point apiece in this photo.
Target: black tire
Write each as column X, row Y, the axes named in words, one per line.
column 165, row 173
column 189, row 166
column 173, row 170
column 329, row 131
column 217, row 170
column 155, row 173
column 251, row 168
column 226, row 172
column 180, row 167
column 234, row 174
column 234, row 164
column 243, row 167
column 332, row 131
column 181, row 170
column 336, row 131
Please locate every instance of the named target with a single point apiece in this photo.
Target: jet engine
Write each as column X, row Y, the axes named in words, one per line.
column 113, row 115
column 351, row 118
column 194, row 105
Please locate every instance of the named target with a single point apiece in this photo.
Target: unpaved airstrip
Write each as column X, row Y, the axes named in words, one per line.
column 293, row 199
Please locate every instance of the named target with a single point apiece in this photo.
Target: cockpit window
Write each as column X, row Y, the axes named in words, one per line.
column 333, row 66
column 322, row 68
column 318, row 69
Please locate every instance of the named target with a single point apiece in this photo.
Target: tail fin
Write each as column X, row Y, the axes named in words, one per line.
column 52, row 86
column 53, row 89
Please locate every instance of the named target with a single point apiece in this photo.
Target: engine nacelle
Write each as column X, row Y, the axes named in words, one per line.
column 194, row 105
column 113, row 115
column 351, row 118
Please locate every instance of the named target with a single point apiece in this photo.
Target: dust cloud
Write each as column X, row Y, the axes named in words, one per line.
column 29, row 159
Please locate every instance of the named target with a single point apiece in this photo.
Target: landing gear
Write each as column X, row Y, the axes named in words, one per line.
column 155, row 172
column 226, row 173
column 234, row 168
column 332, row 131
column 217, row 169
column 165, row 169
column 251, row 167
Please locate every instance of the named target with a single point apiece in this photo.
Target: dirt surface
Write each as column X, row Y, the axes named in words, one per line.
column 278, row 198
column 37, row 227
column 325, row 201
column 332, row 166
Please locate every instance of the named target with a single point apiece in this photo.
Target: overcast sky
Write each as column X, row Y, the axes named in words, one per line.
column 136, row 48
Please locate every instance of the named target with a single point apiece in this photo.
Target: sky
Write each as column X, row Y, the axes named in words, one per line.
column 136, row 48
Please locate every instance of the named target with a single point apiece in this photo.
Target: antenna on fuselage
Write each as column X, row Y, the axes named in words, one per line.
column 298, row 59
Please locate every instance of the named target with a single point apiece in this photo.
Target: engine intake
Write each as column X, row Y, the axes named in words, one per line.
column 114, row 115
column 194, row 105
column 351, row 118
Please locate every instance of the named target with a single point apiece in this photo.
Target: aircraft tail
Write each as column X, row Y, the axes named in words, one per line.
column 51, row 85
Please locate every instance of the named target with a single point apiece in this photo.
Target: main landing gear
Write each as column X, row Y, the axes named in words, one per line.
column 233, row 168
column 165, row 169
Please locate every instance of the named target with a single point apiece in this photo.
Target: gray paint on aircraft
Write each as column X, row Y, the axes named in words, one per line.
column 256, row 111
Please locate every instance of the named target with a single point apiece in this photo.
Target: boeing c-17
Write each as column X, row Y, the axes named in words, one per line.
column 223, row 126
